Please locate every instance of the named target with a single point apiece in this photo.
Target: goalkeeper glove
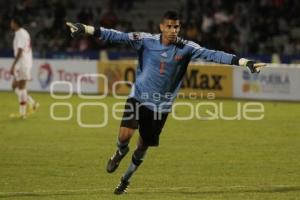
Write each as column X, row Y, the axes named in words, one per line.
column 252, row 66
column 78, row 29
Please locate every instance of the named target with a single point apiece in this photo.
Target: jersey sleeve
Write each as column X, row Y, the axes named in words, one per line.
column 20, row 42
column 198, row 52
column 134, row 39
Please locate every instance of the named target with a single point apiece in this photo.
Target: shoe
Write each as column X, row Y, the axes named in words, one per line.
column 17, row 116
column 121, row 188
column 114, row 161
column 32, row 109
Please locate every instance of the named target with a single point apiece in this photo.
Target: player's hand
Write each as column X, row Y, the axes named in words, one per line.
column 12, row 71
column 255, row 67
column 252, row 66
column 78, row 29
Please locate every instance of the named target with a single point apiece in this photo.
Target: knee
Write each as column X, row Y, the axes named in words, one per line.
column 22, row 85
column 142, row 147
column 14, row 85
column 124, row 138
column 125, row 134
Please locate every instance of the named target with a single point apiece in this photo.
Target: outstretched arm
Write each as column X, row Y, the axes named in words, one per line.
column 199, row 52
column 107, row 35
column 17, row 57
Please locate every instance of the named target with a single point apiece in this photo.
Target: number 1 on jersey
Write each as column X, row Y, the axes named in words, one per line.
column 162, row 67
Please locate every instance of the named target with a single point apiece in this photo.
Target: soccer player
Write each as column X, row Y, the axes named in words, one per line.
column 21, row 67
column 163, row 60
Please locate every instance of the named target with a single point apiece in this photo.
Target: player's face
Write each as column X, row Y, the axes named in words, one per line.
column 170, row 30
column 13, row 25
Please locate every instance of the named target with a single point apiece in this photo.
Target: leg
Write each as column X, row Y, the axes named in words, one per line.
column 124, row 137
column 15, row 88
column 19, row 88
column 25, row 76
column 150, row 128
column 14, row 85
column 137, row 159
column 22, row 84
column 125, row 134
column 23, row 97
column 128, row 125
column 32, row 104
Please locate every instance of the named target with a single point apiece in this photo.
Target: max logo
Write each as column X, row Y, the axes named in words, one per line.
column 196, row 80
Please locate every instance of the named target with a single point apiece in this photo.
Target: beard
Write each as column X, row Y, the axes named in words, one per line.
column 172, row 38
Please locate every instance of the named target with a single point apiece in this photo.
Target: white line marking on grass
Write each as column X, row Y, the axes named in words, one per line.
column 237, row 188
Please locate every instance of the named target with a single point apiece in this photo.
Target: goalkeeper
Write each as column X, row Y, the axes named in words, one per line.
column 163, row 60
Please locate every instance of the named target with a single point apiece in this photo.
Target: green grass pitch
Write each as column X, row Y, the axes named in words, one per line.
column 41, row 158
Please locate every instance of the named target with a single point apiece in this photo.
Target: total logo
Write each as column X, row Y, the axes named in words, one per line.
column 48, row 73
column 63, row 75
column 45, row 75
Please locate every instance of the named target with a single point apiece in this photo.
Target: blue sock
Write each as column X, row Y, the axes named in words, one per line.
column 122, row 147
column 137, row 159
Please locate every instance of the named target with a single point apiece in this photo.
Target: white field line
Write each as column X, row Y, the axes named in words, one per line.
column 199, row 189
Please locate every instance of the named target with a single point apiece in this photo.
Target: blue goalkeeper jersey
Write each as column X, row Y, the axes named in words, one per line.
column 160, row 68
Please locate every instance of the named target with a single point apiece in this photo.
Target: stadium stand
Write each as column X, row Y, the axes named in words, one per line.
column 244, row 27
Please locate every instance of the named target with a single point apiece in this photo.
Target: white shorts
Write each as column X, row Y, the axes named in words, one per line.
column 22, row 73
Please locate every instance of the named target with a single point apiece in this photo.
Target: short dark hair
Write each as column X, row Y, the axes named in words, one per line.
column 170, row 15
column 17, row 20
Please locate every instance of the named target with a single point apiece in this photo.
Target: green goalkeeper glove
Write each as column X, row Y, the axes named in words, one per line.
column 78, row 29
column 252, row 66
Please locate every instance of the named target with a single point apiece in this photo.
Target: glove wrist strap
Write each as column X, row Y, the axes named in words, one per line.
column 243, row 62
column 89, row 29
